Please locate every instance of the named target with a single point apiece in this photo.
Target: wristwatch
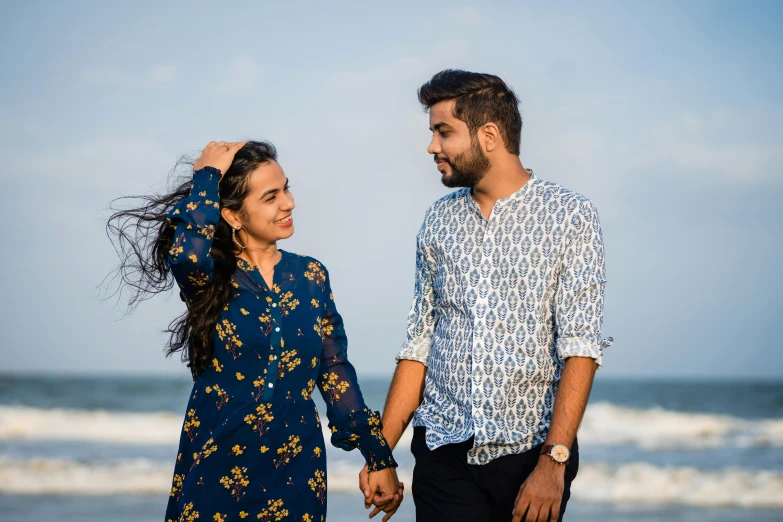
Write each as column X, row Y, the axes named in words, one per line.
column 557, row 452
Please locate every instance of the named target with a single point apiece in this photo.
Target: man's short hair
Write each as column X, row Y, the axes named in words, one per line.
column 480, row 98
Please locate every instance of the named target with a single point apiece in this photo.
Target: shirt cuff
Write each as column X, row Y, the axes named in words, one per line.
column 206, row 177
column 418, row 352
column 363, row 432
column 582, row 347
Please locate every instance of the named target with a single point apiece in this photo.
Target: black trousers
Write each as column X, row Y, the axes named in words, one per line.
column 448, row 489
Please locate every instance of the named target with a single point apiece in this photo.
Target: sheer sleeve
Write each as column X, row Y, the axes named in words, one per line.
column 352, row 424
column 194, row 219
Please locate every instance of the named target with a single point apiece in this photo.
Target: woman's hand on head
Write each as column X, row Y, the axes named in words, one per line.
column 219, row 155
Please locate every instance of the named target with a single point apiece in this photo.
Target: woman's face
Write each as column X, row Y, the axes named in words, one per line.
column 268, row 207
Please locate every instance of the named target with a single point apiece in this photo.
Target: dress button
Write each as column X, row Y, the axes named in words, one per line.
column 277, row 329
column 271, row 385
column 274, row 305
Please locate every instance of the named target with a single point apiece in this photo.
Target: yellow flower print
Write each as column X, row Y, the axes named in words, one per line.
column 217, row 365
column 287, row 451
column 193, row 205
column 193, row 258
column 264, row 449
column 207, row 449
column 242, row 514
column 307, row 518
column 176, row 484
column 236, row 482
column 273, row 512
column 188, row 513
column 191, row 423
column 219, row 518
column 207, row 231
column 317, row 453
column 308, row 392
column 314, row 362
column 198, row 278
column 288, row 361
column 288, row 303
column 244, row 312
column 315, row 273
column 240, row 376
column 266, row 324
column 314, row 303
column 221, row 393
column 317, row 327
column 327, row 328
column 333, row 386
column 318, row 485
column 259, row 385
column 374, row 421
column 176, row 248
column 227, row 333
column 261, row 418
column 238, row 450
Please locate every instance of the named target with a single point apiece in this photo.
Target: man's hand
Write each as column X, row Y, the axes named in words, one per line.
column 383, row 501
column 541, row 494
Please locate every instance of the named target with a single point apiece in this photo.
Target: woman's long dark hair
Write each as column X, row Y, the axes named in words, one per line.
column 142, row 237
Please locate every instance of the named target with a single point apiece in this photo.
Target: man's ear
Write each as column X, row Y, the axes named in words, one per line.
column 491, row 134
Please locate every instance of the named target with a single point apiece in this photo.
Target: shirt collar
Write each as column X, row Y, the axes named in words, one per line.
column 512, row 201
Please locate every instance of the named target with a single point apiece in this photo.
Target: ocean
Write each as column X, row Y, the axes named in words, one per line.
column 97, row 449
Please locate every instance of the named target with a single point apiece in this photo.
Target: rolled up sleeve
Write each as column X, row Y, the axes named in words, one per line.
column 580, row 292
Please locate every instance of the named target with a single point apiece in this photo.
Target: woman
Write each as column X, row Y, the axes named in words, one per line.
column 261, row 331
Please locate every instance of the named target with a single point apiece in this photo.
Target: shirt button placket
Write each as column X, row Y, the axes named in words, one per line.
column 479, row 329
column 275, row 348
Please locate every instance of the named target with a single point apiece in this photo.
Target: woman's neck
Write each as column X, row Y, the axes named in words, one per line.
column 264, row 257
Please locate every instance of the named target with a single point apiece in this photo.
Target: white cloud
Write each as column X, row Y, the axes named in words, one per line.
column 243, row 75
column 468, row 15
column 402, row 71
column 106, row 167
column 731, row 144
column 158, row 76
column 163, row 75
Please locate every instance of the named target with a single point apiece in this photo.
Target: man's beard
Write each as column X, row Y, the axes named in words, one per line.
column 467, row 168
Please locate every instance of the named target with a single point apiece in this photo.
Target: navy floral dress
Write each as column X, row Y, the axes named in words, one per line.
column 251, row 444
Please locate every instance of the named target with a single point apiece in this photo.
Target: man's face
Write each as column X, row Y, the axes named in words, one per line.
column 460, row 159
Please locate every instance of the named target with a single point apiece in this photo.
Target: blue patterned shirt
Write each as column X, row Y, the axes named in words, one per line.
column 499, row 304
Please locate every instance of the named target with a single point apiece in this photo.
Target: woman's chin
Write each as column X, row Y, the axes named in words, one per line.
column 285, row 234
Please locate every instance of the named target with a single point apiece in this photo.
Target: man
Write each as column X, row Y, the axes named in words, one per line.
column 504, row 335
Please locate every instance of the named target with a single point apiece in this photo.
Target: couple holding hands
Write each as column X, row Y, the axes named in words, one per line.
column 503, row 341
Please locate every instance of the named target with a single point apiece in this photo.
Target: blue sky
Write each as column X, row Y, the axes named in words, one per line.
column 668, row 116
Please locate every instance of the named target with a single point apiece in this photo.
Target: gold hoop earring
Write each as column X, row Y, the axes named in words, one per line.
column 234, row 237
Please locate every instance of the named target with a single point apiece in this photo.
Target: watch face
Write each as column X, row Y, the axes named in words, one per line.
column 560, row 453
